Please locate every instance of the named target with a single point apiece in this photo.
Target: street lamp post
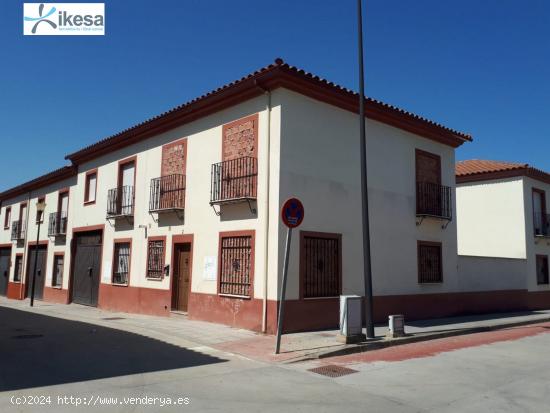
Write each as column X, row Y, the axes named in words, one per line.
column 367, row 267
column 40, row 208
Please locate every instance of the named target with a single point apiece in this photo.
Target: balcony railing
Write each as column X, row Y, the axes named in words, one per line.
column 234, row 180
column 18, row 230
column 434, row 200
column 167, row 193
column 541, row 225
column 120, row 202
column 57, row 224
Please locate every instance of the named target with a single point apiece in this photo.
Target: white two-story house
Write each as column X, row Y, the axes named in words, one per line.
column 504, row 232
column 181, row 213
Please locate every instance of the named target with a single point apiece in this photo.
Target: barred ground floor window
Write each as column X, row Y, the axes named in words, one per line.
column 236, row 264
column 542, row 269
column 430, row 262
column 320, row 265
column 121, row 262
column 57, row 273
column 155, row 258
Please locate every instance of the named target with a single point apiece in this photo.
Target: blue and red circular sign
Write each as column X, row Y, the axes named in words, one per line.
column 292, row 213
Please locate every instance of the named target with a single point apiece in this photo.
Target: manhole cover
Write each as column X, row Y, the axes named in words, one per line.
column 333, row 371
column 113, row 318
column 27, row 336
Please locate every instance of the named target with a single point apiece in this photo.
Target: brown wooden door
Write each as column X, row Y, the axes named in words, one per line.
column 181, row 277
column 38, row 254
column 429, row 198
column 85, row 277
column 428, row 168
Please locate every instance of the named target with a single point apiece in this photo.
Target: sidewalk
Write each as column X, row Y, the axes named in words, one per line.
column 209, row 337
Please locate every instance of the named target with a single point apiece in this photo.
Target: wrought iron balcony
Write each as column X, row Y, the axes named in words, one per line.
column 18, row 230
column 433, row 200
column 167, row 193
column 541, row 224
column 57, row 224
column 234, row 181
column 120, row 202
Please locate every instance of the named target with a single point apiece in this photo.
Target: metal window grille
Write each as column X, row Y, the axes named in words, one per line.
column 18, row 230
column 434, row 200
column 167, row 192
column 122, row 263
column 155, row 260
column 57, row 224
column 18, row 269
column 541, row 223
column 542, row 269
column 57, row 276
column 120, row 201
column 236, row 266
column 430, row 269
column 321, row 267
column 233, row 180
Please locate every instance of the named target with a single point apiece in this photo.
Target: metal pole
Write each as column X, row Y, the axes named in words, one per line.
column 367, row 271
column 35, row 263
column 283, row 292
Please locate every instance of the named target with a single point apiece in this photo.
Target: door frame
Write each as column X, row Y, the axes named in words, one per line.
column 28, row 280
column 78, row 231
column 10, row 264
column 181, row 239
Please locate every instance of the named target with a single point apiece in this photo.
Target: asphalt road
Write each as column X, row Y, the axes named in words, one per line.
column 47, row 360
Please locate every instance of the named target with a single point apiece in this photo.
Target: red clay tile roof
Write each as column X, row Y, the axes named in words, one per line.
column 37, row 183
column 484, row 170
column 278, row 74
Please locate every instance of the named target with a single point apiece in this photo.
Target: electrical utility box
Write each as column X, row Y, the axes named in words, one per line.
column 396, row 325
column 351, row 315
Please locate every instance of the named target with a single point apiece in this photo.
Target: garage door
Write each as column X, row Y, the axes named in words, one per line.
column 87, row 256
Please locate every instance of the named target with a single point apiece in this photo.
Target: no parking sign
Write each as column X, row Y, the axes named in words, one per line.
column 292, row 213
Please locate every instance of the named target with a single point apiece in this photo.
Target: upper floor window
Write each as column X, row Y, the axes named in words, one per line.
column 540, row 218
column 90, row 187
column 40, row 214
column 432, row 198
column 7, row 218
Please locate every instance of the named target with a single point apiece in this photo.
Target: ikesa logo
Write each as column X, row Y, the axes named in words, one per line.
column 62, row 19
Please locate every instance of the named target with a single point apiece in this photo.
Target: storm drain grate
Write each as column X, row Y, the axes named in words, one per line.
column 27, row 336
column 333, row 371
column 114, row 318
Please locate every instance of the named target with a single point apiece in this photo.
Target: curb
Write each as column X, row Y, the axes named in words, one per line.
column 377, row 345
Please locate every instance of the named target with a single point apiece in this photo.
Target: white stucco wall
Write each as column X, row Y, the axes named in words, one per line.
column 51, row 194
column 320, row 165
column 535, row 245
column 204, row 148
column 491, row 218
column 491, row 273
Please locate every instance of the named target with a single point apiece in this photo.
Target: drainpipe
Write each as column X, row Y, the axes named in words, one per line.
column 25, row 248
column 267, row 93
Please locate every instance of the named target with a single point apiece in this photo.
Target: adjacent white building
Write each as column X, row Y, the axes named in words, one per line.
column 181, row 213
column 504, row 232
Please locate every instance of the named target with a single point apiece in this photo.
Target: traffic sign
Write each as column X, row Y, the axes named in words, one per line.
column 292, row 213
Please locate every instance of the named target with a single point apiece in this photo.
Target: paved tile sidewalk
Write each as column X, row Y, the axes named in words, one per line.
column 181, row 331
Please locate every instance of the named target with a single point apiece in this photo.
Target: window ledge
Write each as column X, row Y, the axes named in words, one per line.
column 86, row 203
column 244, row 297
column 119, row 284
column 334, row 297
column 57, row 287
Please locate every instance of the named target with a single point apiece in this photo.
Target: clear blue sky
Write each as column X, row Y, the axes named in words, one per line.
column 482, row 67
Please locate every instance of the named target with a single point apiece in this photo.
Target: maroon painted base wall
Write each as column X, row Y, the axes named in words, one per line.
column 56, row 295
column 235, row 312
column 134, row 300
column 16, row 291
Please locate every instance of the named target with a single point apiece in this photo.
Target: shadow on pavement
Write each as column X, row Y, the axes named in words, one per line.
column 38, row 350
